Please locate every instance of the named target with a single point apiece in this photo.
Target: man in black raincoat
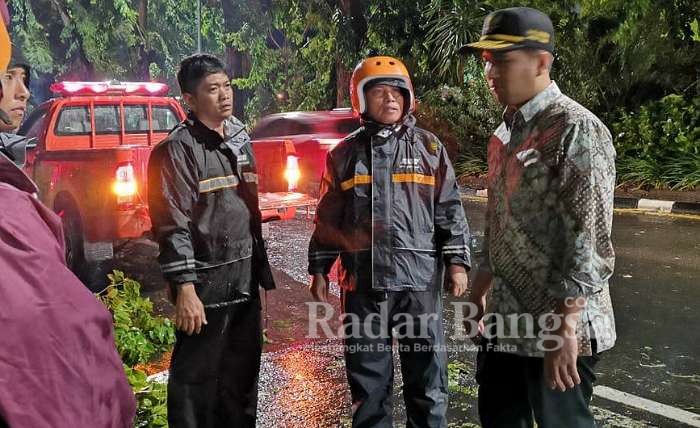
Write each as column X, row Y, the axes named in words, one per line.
column 390, row 210
column 202, row 192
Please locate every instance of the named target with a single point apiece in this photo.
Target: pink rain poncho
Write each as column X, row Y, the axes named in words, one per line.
column 58, row 362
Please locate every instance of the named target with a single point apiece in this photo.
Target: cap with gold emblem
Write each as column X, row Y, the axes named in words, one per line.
column 514, row 28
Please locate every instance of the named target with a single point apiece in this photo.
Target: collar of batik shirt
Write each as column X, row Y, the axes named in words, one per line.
column 538, row 103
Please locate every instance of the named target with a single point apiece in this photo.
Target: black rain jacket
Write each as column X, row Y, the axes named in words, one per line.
column 203, row 202
column 390, row 209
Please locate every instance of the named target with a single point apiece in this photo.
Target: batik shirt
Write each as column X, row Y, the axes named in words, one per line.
column 548, row 237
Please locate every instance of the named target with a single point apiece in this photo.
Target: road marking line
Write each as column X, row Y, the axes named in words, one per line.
column 669, row 412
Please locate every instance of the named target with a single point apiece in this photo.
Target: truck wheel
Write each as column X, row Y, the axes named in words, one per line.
column 92, row 274
column 72, row 230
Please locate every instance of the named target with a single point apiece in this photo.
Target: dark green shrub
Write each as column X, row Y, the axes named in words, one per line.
column 659, row 146
column 463, row 118
column 140, row 336
column 152, row 398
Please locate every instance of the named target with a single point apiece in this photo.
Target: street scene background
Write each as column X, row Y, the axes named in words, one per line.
column 635, row 64
column 656, row 357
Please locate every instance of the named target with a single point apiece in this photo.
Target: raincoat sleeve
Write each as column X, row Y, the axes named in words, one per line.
column 324, row 248
column 585, row 206
column 173, row 188
column 451, row 228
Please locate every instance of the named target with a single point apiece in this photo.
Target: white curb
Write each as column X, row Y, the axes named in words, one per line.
column 655, row 205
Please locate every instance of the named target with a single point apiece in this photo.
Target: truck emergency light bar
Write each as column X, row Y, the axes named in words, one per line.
column 109, row 88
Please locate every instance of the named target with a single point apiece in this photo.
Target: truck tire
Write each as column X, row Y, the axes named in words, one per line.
column 72, row 230
column 92, row 274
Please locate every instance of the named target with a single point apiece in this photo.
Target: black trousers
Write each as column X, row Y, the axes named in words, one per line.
column 369, row 362
column 213, row 379
column 513, row 393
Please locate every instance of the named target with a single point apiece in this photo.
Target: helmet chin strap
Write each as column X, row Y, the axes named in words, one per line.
column 373, row 126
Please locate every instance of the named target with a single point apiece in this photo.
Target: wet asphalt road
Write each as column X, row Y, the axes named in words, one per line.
column 655, row 289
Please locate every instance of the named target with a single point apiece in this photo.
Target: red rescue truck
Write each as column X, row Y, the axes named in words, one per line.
column 90, row 161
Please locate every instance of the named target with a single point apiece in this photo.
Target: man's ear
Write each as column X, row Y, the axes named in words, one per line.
column 189, row 99
column 544, row 62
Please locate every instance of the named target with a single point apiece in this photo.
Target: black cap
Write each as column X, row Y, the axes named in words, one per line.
column 514, row 28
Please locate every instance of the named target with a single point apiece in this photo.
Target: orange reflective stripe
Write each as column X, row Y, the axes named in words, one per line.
column 413, row 178
column 358, row 179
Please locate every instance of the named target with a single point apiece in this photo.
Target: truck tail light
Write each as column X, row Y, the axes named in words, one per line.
column 292, row 172
column 125, row 186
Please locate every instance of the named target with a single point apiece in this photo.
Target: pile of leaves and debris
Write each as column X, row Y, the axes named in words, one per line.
column 143, row 341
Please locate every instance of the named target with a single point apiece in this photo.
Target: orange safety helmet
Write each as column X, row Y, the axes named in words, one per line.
column 5, row 51
column 379, row 67
column 5, row 45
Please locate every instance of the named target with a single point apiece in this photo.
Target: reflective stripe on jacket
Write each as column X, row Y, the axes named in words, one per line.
column 203, row 201
column 390, row 209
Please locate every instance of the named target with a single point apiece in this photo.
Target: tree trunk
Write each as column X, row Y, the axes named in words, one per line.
column 342, row 79
column 143, row 51
column 53, row 17
column 237, row 62
column 353, row 11
column 237, row 65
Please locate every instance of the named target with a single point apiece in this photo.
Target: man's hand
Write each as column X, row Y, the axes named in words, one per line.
column 457, row 280
column 189, row 311
column 473, row 324
column 319, row 287
column 560, row 371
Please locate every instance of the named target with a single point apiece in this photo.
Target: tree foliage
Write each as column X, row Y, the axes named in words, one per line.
column 140, row 336
column 122, row 39
column 659, row 145
column 449, row 25
column 612, row 56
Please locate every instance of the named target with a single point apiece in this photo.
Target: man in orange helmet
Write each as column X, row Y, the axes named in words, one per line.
column 390, row 210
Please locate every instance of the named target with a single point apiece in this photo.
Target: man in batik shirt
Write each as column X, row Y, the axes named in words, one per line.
column 550, row 187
